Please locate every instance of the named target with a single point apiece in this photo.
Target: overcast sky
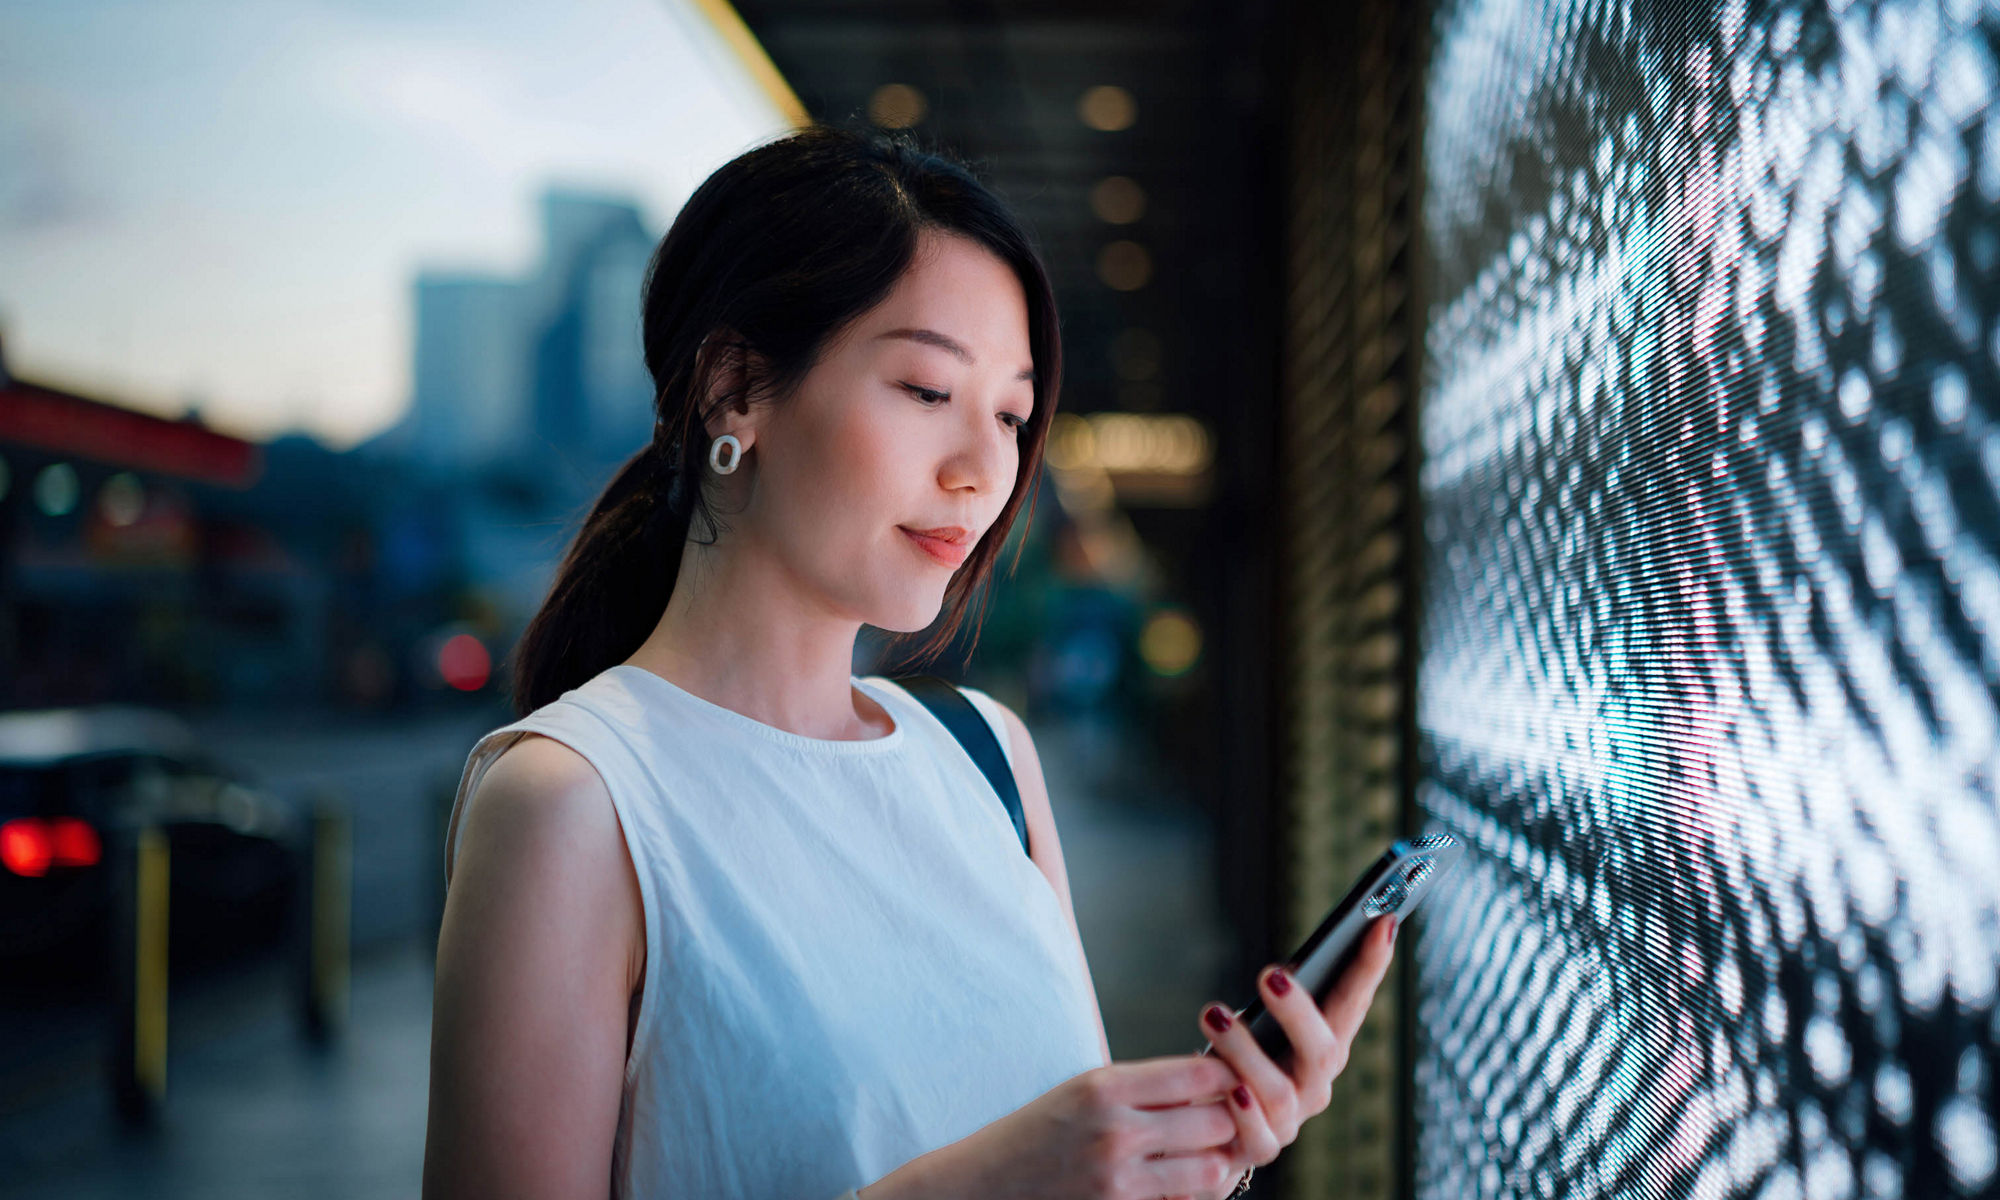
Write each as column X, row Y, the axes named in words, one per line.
column 223, row 202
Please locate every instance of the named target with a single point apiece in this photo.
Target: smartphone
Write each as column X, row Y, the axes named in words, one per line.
column 1393, row 885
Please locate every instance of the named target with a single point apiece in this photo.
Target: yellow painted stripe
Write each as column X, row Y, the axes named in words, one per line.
column 149, row 1017
column 742, row 43
column 332, row 881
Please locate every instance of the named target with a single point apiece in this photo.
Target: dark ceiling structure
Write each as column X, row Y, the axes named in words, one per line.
column 1009, row 87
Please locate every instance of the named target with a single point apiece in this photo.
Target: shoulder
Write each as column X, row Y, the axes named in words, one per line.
column 541, row 824
column 538, row 782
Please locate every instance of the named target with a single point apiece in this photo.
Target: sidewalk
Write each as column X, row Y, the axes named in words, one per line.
column 256, row 1112
column 253, row 1111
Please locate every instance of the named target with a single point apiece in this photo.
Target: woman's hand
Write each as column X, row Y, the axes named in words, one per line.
column 1271, row 1103
column 1126, row 1131
column 1161, row 1127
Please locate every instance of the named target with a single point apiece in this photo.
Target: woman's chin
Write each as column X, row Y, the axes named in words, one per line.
column 914, row 617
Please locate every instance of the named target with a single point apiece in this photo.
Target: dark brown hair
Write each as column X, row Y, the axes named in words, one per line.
column 775, row 253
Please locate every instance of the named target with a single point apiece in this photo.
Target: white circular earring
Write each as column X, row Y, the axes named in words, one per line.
column 735, row 454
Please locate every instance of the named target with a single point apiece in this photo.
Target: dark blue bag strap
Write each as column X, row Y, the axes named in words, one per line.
column 952, row 707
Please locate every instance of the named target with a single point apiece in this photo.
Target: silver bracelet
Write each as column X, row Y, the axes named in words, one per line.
column 1243, row 1185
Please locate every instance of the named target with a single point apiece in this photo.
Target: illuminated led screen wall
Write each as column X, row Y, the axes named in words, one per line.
column 1711, row 637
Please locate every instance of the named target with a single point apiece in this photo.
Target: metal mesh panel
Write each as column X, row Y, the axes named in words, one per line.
column 1712, row 634
column 1345, row 442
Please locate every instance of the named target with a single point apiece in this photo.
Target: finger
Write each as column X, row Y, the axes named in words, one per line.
column 1348, row 1002
column 1201, row 1174
column 1275, row 1092
column 1167, row 1081
column 1185, row 1129
column 1317, row 1054
column 1256, row 1142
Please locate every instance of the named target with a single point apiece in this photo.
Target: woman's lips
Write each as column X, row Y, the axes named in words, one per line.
column 948, row 553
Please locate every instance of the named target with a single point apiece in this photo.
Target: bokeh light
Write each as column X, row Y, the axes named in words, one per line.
column 1170, row 642
column 897, row 106
column 1117, row 200
column 1107, row 108
column 1124, row 266
column 464, row 663
column 122, row 499
column 56, row 489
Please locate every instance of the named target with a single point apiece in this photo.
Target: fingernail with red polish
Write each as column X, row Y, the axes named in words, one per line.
column 1280, row 982
column 1218, row 1018
column 1241, row 1095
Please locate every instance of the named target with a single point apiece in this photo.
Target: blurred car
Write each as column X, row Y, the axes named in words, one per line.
column 75, row 783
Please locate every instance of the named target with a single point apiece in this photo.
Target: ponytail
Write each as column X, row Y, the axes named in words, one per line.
column 608, row 593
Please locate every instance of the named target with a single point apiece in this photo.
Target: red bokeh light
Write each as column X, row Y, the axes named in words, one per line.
column 31, row 845
column 464, row 663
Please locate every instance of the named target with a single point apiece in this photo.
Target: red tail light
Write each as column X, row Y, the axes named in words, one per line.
column 31, row 845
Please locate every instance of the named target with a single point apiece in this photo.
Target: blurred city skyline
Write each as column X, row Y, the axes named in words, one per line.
column 226, row 207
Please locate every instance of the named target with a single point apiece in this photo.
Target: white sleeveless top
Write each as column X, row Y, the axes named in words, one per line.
column 850, row 961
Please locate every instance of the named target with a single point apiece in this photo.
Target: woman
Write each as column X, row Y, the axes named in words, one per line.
column 727, row 921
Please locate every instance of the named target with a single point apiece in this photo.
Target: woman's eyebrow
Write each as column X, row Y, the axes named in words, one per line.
column 950, row 345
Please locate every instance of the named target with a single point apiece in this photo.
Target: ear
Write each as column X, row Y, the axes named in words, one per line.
column 729, row 373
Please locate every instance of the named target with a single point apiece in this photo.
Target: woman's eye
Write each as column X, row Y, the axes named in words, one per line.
column 931, row 396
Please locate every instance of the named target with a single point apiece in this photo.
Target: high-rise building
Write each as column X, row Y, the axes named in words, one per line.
column 530, row 390
column 544, row 371
column 592, row 395
column 471, row 377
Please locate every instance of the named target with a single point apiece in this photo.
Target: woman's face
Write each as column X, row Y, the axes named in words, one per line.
column 908, row 422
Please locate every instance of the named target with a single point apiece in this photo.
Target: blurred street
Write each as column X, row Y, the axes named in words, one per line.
column 254, row 1110
column 391, row 776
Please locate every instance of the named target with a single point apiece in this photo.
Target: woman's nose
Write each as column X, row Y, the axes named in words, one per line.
column 984, row 460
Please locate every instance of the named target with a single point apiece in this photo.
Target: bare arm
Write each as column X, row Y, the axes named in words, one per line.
column 1045, row 846
column 542, row 945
